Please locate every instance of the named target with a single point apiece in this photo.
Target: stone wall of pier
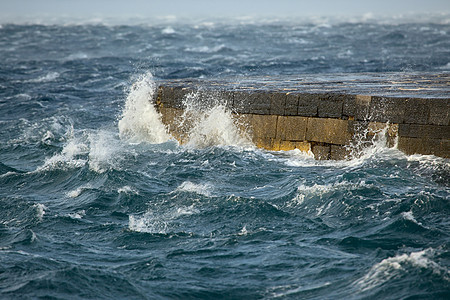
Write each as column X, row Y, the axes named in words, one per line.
column 330, row 125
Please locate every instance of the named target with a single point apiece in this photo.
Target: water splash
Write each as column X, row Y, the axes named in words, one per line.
column 371, row 138
column 208, row 122
column 140, row 122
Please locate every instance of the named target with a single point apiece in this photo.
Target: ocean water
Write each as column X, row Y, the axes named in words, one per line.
column 98, row 201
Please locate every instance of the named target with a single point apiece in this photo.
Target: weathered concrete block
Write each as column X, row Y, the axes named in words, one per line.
column 277, row 103
column 383, row 109
column 332, row 131
column 292, row 128
column 357, row 107
column 424, row 131
column 339, row 152
column 411, row 145
column 264, row 126
column 330, row 105
column 439, row 111
column 308, row 105
column 321, row 152
column 416, row 111
column 291, row 106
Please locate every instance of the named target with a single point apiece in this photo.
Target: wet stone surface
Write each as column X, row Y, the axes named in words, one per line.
column 423, row 85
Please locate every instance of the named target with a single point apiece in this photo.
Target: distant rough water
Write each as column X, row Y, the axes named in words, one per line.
column 97, row 201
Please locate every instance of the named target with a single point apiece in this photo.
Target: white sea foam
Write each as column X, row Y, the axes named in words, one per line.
column 78, row 55
column 127, row 190
column 51, row 76
column 104, row 151
column 396, row 266
column 140, row 122
column 243, row 231
column 40, row 210
column 168, row 30
column 161, row 222
column 201, row 189
column 100, row 149
column 66, row 160
column 77, row 192
column 206, row 49
column 318, row 190
column 77, row 215
column 409, row 216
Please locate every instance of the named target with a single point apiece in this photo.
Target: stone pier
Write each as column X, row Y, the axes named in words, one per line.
column 325, row 114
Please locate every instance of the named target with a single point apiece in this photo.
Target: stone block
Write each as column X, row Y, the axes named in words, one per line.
column 308, row 105
column 291, row 106
column 226, row 99
column 244, row 123
column 264, row 143
column 438, row 147
column 424, row 131
column 321, row 152
column 356, row 107
column 339, row 152
column 292, row 128
column 277, row 103
column 378, row 127
column 171, row 117
column 332, row 131
column 439, row 111
column 286, row 145
column 383, row 109
column 290, row 145
column 264, row 126
column 173, row 96
column 330, row 105
column 241, row 102
column 416, row 111
column 259, row 103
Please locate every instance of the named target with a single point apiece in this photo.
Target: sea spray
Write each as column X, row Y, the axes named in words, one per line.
column 140, row 122
column 207, row 121
column 370, row 138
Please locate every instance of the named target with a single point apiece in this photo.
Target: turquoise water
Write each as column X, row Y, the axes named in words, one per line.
column 98, row 201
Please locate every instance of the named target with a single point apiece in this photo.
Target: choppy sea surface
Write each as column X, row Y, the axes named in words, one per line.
column 98, row 201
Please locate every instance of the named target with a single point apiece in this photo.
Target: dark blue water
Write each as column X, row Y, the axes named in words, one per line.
column 97, row 201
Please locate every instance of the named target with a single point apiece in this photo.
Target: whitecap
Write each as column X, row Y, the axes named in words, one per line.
column 410, row 217
column 104, row 151
column 77, row 215
column 168, row 30
column 161, row 222
column 51, row 76
column 75, row 193
column 40, row 210
column 127, row 190
column 201, row 189
column 396, row 266
column 206, row 49
column 79, row 55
